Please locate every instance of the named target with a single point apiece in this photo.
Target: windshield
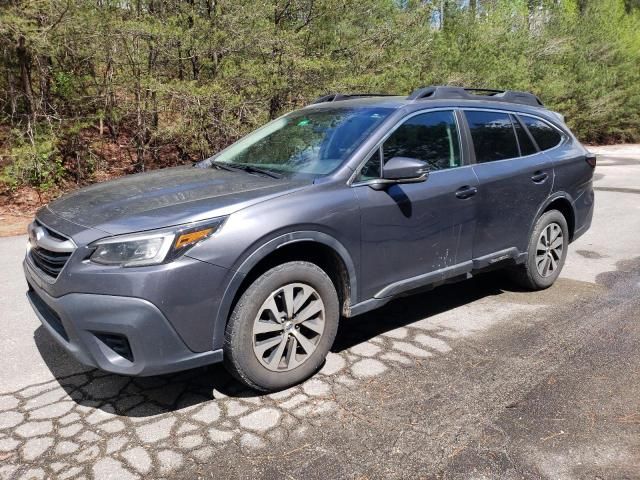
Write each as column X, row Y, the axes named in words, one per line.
column 308, row 143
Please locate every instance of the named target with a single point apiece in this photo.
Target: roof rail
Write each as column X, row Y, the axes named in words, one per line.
column 336, row 97
column 446, row 92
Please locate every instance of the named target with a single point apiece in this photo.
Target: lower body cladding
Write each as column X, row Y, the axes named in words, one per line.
column 118, row 334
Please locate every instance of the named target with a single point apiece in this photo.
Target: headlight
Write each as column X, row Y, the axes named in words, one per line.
column 152, row 248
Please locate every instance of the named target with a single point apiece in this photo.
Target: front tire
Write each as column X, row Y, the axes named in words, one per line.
column 282, row 327
column 547, row 252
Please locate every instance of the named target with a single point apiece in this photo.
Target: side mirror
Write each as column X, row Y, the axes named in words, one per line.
column 401, row 170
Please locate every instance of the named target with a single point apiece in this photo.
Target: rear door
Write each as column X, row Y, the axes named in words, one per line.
column 514, row 179
column 572, row 174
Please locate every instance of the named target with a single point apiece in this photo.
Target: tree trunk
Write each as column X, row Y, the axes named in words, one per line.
column 180, row 66
column 473, row 8
column 45, row 82
column 6, row 55
column 24, row 61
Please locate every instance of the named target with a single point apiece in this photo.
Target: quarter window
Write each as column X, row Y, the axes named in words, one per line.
column 544, row 134
column 493, row 135
column 371, row 169
column 526, row 145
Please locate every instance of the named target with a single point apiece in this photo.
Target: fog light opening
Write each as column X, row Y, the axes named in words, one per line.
column 117, row 343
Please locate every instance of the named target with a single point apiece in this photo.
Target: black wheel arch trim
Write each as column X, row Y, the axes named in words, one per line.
column 552, row 198
column 238, row 274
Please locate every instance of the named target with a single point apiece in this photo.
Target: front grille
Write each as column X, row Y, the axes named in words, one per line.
column 49, row 262
column 50, row 316
column 49, row 251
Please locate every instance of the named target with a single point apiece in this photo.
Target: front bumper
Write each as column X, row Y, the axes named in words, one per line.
column 119, row 334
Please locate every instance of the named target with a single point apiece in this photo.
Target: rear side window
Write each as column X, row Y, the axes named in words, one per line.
column 493, row 136
column 524, row 140
column 544, row 134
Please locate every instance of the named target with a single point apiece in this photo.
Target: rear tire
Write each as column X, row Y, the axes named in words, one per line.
column 547, row 252
column 282, row 327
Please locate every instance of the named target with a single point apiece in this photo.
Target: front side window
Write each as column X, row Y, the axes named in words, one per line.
column 544, row 134
column 431, row 137
column 305, row 143
column 493, row 135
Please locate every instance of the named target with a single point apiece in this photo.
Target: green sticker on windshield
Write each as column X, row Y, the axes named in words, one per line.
column 304, row 122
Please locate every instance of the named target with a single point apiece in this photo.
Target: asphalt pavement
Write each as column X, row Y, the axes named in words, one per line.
column 476, row 380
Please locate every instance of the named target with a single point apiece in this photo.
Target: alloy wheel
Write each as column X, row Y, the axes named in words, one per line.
column 549, row 249
column 288, row 327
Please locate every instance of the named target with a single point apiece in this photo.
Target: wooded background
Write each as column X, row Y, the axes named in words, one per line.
column 91, row 89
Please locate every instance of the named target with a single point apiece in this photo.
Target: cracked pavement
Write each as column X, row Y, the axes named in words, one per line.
column 470, row 380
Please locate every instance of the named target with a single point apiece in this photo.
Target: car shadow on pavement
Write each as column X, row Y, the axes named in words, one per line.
column 149, row 396
column 136, row 396
column 419, row 306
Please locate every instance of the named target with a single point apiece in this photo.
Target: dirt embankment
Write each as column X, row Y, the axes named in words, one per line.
column 88, row 157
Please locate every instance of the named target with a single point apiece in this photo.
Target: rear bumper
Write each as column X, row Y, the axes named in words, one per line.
column 123, row 335
column 583, row 208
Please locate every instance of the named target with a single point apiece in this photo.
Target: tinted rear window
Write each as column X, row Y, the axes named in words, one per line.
column 544, row 134
column 493, row 136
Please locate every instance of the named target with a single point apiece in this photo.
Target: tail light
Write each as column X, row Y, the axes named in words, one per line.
column 591, row 159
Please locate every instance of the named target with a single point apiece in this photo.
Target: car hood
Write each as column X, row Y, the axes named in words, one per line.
column 167, row 197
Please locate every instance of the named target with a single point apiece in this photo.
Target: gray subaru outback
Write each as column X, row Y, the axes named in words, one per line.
column 252, row 256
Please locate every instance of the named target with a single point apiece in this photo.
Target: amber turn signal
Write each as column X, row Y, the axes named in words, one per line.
column 190, row 238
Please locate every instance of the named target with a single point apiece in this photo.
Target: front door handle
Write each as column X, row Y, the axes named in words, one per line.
column 539, row 176
column 466, row 192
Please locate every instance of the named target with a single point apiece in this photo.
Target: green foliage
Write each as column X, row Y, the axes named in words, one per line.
column 167, row 77
column 33, row 162
column 63, row 85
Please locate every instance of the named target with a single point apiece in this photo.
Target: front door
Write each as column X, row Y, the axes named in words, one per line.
column 514, row 180
column 413, row 229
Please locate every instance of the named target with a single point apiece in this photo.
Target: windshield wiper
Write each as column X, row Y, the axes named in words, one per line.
column 264, row 171
column 222, row 166
column 246, row 168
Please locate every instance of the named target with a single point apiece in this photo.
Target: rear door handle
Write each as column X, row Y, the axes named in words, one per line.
column 466, row 192
column 539, row 177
